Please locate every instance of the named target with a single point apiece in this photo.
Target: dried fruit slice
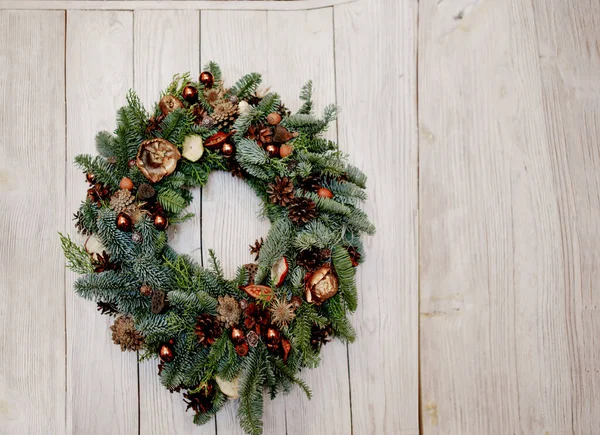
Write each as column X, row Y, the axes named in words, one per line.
column 279, row 271
column 192, row 148
column 258, row 291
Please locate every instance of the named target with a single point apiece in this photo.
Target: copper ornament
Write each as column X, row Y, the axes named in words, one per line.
column 237, row 335
column 161, row 222
column 124, row 222
column 320, row 285
column 157, row 158
column 206, row 79
column 272, row 150
column 227, row 149
column 273, row 336
column 169, row 103
column 242, row 349
column 190, row 94
column 166, row 352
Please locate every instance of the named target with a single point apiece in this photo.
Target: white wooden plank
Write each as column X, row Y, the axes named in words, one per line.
column 301, row 49
column 376, row 83
column 570, row 60
column 229, row 207
column 102, row 384
column 32, row 283
column 495, row 338
column 254, row 5
column 167, row 43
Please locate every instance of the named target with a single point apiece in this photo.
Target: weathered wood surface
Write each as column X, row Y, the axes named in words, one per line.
column 477, row 311
column 32, row 184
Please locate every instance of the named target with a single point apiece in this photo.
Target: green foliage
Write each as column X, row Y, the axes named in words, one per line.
column 306, row 96
column 246, row 85
column 78, row 260
column 250, row 388
column 345, row 273
column 215, row 70
column 176, row 126
column 277, row 243
column 105, row 172
column 118, row 242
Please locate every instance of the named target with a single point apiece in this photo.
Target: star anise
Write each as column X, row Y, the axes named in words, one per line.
column 256, row 248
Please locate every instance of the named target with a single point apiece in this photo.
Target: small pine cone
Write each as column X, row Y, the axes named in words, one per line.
column 208, row 329
column 120, row 200
column 225, row 114
column 320, row 336
column 354, row 255
column 199, row 113
column 281, row 192
column 214, row 96
column 78, row 218
column 97, row 193
column 251, row 270
column 107, row 308
column 309, row 259
column 234, row 99
column 202, row 401
column 312, row 183
column 302, row 210
column 283, row 111
column 208, row 122
column 125, row 334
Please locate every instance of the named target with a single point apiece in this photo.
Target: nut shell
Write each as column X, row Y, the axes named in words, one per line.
column 157, row 158
column 320, row 285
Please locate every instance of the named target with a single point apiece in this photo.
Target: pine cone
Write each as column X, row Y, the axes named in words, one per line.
column 354, row 255
column 154, row 124
column 281, row 192
column 199, row 113
column 120, row 200
column 202, row 401
column 125, row 334
column 320, row 336
column 107, row 308
column 79, row 225
column 97, row 193
column 256, row 318
column 214, row 96
column 283, row 111
column 310, row 258
column 101, row 263
column 229, row 310
column 208, row 329
column 224, row 115
column 235, row 169
column 312, row 183
column 302, row 210
column 261, row 134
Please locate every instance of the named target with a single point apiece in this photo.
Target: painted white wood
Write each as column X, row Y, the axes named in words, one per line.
column 291, row 65
column 167, row 43
column 506, row 226
column 254, row 5
column 102, row 384
column 375, row 48
column 229, row 207
column 32, row 179
column 568, row 42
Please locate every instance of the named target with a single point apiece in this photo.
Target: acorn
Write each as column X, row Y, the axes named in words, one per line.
column 325, row 193
column 126, row 183
column 285, row 150
column 274, row 118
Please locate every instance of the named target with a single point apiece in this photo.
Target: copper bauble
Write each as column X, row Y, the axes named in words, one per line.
column 166, row 352
column 91, row 178
column 325, row 193
column 320, row 285
column 272, row 150
column 237, row 335
column 273, row 336
column 124, row 222
column 285, row 150
column 146, row 290
column 286, row 346
column 190, row 94
column 274, row 118
column 227, row 149
column 161, row 222
column 126, row 183
column 206, row 79
column 169, row 103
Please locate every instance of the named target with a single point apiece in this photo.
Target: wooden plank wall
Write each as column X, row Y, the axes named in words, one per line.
column 477, row 122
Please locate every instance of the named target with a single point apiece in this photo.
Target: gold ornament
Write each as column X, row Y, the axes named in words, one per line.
column 321, row 285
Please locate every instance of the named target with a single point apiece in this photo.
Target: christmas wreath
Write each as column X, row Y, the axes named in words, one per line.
column 220, row 338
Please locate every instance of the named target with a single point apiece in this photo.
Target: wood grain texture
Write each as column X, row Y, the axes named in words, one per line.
column 32, row 282
column 253, row 5
column 375, row 47
column 569, row 51
column 229, row 207
column 167, row 43
column 102, row 384
column 497, row 314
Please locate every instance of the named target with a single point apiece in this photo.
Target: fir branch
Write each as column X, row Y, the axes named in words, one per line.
column 315, row 235
column 340, row 324
column 250, row 388
column 278, row 241
column 214, row 68
column 171, row 200
column 246, row 85
column 118, row 242
column 104, row 172
column 356, row 176
column 346, row 276
column 284, row 371
column 306, row 96
column 176, row 126
column 78, row 259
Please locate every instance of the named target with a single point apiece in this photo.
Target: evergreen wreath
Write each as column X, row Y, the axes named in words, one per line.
column 220, row 338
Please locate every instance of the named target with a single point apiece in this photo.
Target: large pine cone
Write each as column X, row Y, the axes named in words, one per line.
column 125, row 334
column 120, row 200
column 208, row 329
column 311, row 258
column 302, row 210
column 281, row 192
column 200, row 402
column 224, row 115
